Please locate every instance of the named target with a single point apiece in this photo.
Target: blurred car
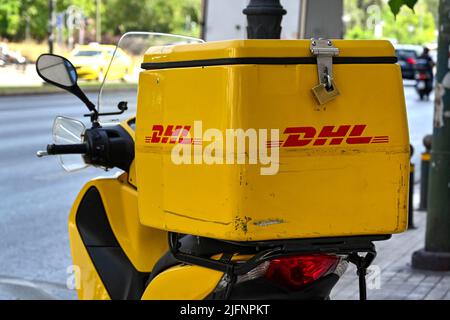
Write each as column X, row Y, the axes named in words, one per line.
column 407, row 55
column 92, row 62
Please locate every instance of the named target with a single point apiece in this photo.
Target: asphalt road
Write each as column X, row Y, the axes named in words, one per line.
column 37, row 194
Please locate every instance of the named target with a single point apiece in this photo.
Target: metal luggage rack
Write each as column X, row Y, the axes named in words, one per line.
column 351, row 246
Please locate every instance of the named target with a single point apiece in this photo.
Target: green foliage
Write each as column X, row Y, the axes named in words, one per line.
column 9, row 16
column 176, row 16
column 118, row 16
column 36, row 13
column 396, row 5
column 369, row 19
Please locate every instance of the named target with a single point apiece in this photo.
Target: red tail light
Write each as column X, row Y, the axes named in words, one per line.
column 422, row 76
column 295, row 272
column 411, row 60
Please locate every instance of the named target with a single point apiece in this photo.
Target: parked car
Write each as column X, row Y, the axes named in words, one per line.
column 92, row 61
column 407, row 56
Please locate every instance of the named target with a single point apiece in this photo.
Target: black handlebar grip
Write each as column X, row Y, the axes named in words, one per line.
column 80, row 148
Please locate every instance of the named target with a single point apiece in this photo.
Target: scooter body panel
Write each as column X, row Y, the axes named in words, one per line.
column 183, row 282
column 87, row 282
column 141, row 245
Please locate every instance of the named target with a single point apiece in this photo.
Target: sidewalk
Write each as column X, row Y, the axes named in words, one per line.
column 12, row 76
column 14, row 82
column 397, row 279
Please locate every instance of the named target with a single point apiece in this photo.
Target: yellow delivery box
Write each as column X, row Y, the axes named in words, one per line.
column 272, row 139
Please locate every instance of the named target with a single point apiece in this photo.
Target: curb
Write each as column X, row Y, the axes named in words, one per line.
column 49, row 89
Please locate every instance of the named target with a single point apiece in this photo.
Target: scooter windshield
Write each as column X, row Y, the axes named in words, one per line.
column 120, row 81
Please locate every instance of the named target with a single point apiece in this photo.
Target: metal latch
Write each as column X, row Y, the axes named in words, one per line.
column 324, row 50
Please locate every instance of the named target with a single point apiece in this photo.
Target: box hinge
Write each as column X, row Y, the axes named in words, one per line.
column 324, row 51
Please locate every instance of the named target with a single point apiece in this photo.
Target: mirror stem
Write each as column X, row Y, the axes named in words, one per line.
column 79, row 93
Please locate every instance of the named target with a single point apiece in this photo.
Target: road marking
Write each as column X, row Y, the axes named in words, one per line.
column 18, row 288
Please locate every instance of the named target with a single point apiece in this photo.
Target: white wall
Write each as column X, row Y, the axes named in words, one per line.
column 225, row 20
column 324, row 19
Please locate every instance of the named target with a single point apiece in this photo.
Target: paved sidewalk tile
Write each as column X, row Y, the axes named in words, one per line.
column 438, row 292
column 397, row 280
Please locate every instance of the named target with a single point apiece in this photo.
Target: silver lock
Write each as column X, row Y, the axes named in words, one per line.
column 324, row 51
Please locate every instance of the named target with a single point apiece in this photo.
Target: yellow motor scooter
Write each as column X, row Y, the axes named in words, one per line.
column 202, row 227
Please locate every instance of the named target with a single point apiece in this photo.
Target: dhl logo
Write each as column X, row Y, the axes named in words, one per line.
column 329, row 135
column 171, row 134
column 295, row 136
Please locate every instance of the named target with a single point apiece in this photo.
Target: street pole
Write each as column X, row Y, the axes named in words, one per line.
column 98, row 21
column 51, row 24
column 303, row 11
column 204, row 19
column 436, row 254
column 264, row 19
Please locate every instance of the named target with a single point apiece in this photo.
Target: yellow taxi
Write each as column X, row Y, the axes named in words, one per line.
column 92, row 61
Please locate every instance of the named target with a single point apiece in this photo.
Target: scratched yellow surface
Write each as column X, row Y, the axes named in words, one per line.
column 319, row 191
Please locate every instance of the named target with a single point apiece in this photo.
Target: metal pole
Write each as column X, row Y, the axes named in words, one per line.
column 98, row 21
column 411, row 197
column 27, row 27
column 204, row 19
column 264, row 19
column 436, row 254
column 411, row 191
column 425, row 172
column 303, row 15
column 51, row 24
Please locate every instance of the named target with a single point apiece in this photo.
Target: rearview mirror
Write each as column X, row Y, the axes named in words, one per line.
column 57, row 70
column 60, row 72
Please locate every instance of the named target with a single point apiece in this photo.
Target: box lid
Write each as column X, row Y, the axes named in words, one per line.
column 158, row 56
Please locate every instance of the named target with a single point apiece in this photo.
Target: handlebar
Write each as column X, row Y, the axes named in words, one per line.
column 79, row 148
column 109, row 147
column 54, row 149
